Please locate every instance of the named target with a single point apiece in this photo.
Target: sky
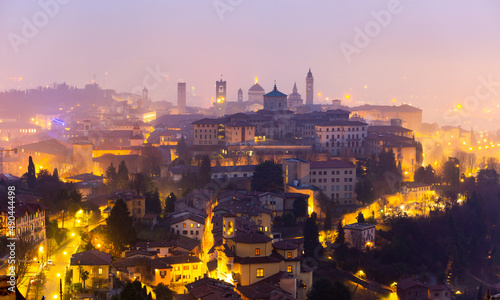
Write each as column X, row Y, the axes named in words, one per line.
column 431, row 54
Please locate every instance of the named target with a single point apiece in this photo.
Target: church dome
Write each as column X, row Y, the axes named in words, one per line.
column 256, row 88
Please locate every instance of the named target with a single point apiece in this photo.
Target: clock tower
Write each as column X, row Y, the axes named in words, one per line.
column 220, row 98
column 309, row 88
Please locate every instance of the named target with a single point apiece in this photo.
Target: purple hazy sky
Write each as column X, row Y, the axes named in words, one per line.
column 429, row 54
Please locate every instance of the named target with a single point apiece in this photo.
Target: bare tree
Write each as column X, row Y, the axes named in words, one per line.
column 25, row 252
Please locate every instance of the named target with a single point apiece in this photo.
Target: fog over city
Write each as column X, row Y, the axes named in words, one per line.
column 236, row 149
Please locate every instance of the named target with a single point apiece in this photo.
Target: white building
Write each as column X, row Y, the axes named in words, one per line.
column 360, row 235
column 336, row 178
column 188, row 224
column 341, row 137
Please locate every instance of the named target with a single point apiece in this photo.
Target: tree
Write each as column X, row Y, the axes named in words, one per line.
column 182, row 151
column 120, row 231
column 25, row 251
column 111, row 176
column 288, row 219
column 312, row 246
column 451, row 172
column 205, row 171
column 360, row 218
column 364, row 191
column 133, row 291
column 487, row 177
column 324, row 289
column 163, row 292
column 170, row 203
column 55, row 175
column 323, row 201
column 84, row 275
column 267, row 177
column 425, row 175
column 300, row 207
column 340, row 239
column 122, row 175
column 153, row 202
column 31, row 174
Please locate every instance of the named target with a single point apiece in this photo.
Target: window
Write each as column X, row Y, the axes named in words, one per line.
column 260, row 273
column 184, row 225
column 100, row 271
column 289, row 255
column 191, row 225
column 257, row 251
column 289, row 269
column 195, row 267
column 185, row 268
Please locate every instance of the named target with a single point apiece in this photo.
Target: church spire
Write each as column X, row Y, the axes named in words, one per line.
column 295, row 87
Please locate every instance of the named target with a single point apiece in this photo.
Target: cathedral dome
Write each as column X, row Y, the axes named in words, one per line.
column 256, row 88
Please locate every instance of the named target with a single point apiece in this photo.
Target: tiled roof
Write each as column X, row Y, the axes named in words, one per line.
column 334, row 163
column 52, row 147
column 387, row 108
column 191, row 216
column 359, row 226
column 251, row 238
column 284, row 245
column 86, row 177
column 389, row 128
column 181, row 259
column 208, row 121
column 256, row 260
column 275, row 93
column 342, row 123
column 91, row 258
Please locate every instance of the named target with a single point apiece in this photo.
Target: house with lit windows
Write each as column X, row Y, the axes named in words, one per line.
column 341, row 137
column 29, row 221
column 360, row 235
column 136, row 204
column 188, row 224
column 97, row 264
column 245, row 259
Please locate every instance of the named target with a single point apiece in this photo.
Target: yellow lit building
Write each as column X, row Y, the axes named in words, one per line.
column 245, row 259
column 97, row 265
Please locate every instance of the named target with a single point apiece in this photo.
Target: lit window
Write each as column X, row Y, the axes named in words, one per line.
column 191, row 225
column 184, row 225
column 100, row 271
column 260, row 273
column 289, row 255
column 289, row 269
column 257, row 251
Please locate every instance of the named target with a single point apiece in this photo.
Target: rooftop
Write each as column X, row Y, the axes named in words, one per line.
column 91, row 258
column 330, row 164
column 252, row 238
column 359, row 226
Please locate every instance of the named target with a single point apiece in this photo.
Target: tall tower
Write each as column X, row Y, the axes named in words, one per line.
column 220, row 97
column 309, row 88
column 181, row 97
column 240, row 95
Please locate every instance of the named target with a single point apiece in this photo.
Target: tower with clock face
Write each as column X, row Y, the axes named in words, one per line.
column 220, row 98
column 309, row 88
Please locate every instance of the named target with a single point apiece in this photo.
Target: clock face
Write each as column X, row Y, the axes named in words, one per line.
column 309, row 86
